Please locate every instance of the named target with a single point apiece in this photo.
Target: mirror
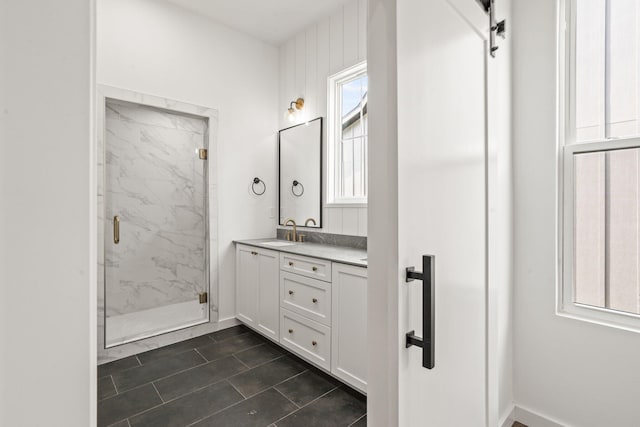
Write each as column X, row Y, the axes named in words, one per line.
column 300, row 161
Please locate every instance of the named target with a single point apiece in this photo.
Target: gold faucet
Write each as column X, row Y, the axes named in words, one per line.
column 306, row 223
column 295, row 230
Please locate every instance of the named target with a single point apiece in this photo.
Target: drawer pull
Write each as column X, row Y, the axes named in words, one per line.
column 314, row 343
column 315, row 268
column 290, row 292
column 290, row 331
column 254, row 253
column 315, row 300
column 290, row 263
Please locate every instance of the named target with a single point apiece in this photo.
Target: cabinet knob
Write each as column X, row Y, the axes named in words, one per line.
column 290, row 292
column 290, row 331
column 254, row 253
column 315, row 300
column 314, row 268
column 314, row 343
column 290, row 264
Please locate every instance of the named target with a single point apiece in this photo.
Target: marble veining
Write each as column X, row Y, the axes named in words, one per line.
column 341, row 254
column 148, row 120
column 155, row 184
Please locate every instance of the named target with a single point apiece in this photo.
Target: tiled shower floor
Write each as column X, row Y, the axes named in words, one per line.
column 232, row 377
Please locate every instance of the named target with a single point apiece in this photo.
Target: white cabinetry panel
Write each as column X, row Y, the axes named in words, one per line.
column 257, row 295
column 349, row 325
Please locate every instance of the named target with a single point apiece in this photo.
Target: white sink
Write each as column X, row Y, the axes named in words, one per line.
column 277, row 244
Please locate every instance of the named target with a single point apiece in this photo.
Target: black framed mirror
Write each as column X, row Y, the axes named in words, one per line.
column 300, row 174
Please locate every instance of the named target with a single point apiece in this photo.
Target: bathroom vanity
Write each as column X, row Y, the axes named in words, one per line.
column 309, row 298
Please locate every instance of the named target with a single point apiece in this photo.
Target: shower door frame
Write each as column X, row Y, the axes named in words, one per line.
column 208, row 323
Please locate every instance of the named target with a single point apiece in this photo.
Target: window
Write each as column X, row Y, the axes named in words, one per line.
column 600, row 208
column 347, row 137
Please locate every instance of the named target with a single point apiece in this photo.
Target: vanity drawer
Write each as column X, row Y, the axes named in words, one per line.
column 305, row 296
column 306, row 338
column 306, row 266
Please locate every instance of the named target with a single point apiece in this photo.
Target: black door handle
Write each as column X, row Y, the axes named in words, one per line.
column 427, row 276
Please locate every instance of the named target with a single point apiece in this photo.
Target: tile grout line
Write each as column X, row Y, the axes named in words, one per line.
column 139, row 362
column 257, row 366
column 304, row 406
column 115, row 387
column 285, row 396
column 227, row 407
column 128, row 422
column 236, row 389
column 192, row 391
column 244, row 364
column 213, row 383
column 158, row 393
column 353, row 423
column 290, row 378
column 200, row 354
column 172, row 374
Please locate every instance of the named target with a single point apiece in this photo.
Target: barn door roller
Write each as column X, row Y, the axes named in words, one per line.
column 496, row 28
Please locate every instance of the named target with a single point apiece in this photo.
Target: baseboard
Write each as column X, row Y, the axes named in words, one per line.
column 227, row 322
column 531, row 418
column 507, row 419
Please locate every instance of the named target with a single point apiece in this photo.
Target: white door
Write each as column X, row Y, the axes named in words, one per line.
column 442, row 128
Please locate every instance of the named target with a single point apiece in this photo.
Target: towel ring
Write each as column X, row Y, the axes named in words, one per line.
column 257, row 180
column 295, row 184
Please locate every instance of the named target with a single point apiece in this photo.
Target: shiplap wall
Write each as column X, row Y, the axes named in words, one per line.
column 306, row 61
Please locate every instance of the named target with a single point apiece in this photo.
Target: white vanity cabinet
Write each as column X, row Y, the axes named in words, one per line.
column 349, row 325
column 315, row 308
column 257, row 289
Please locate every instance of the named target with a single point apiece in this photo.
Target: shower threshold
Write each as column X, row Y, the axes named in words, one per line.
column 126, row 328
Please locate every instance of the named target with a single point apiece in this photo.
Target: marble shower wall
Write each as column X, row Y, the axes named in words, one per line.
column 154, row 181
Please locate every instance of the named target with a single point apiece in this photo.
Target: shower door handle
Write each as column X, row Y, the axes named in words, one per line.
column 116, row 229
column 427, row 276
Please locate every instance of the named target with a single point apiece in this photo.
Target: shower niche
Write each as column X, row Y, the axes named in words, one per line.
column 156, row 160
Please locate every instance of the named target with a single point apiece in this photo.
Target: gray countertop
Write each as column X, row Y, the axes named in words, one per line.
column 341, row 254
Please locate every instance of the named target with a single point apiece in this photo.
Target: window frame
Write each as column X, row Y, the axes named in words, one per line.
column 567, row 147
column 334, row 137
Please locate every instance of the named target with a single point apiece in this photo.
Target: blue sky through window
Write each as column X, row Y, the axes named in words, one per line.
column 352, row 93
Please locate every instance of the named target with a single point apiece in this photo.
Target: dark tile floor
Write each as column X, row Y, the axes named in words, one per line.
column 232, row 377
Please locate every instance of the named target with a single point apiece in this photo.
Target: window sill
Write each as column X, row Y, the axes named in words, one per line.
column 603, row 317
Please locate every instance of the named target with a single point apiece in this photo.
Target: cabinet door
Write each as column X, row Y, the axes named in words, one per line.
column 268, row 294
column 349, row 325
column 247, row 264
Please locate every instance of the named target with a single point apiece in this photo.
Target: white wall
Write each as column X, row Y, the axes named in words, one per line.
column 161, row 49
column 578, row 373
column 47, row 225
column 306, row 61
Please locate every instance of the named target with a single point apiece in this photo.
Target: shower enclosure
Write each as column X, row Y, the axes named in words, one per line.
column 155, row 205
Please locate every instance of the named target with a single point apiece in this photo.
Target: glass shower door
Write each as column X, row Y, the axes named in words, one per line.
column 156, row 234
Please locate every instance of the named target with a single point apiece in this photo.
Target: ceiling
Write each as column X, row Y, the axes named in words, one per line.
column 273, row 21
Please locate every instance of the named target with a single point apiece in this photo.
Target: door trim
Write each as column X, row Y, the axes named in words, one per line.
column 105, row 93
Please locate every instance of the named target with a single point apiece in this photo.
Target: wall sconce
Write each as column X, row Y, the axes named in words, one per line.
column 293, row 109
